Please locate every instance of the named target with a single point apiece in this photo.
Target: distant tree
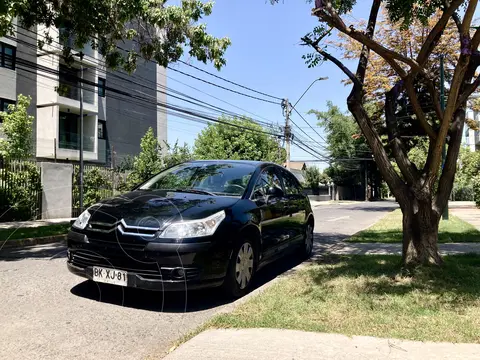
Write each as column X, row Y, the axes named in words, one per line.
column 223, row 141
column 313, row 177
column 344, row 145
column 17, row 128
column 157, row 31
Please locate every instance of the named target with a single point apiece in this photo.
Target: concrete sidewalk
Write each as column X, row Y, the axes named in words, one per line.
column 253, row 344
column 346, row 248
column 467, row 213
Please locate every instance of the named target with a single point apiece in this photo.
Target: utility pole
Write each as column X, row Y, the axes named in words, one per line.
column 442, row 104
column 287, row 130
column 81, row 133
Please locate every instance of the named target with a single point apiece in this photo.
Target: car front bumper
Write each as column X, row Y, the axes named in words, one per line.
column 137, row 281
column 150, row 265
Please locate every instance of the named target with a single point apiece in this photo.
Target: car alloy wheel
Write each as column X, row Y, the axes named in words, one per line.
column 244, row 265
column 309, row 240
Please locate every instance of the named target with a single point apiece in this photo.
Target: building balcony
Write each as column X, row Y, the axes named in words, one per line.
column 68, row 88
column 90, row 54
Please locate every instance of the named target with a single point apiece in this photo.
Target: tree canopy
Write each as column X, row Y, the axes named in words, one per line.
column 156, row 30
column 154, row 158
column 344, row 145
column 224, row 141
column 17, row 128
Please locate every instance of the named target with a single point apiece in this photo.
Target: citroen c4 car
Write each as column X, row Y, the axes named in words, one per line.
column 197, row 224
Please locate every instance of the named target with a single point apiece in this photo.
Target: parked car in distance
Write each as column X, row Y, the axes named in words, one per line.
column 197, row 224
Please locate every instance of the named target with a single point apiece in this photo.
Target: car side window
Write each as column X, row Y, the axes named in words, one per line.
column 268, row 178
column 291, row 185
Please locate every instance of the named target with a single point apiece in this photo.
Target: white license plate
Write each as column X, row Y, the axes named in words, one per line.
column 110, row 276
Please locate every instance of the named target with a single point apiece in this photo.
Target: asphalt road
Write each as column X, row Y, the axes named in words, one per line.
column 48, row 313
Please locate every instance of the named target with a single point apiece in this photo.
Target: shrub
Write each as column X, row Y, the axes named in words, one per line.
column 476, row 190
column 97, row 185
column 20, row 188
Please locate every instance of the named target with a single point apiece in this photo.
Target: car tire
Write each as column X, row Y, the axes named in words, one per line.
column 307, row 246
column 241, row 269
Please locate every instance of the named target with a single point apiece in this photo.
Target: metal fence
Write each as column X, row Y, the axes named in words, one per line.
column 20, row 190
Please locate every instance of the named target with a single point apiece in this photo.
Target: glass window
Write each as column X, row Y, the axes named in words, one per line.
column 228, row 179
column 267, row 179
column 101, row 87
column 7, row 56
column 69, row 131
column 4, row 106
column 292, row 187
column 102, row 125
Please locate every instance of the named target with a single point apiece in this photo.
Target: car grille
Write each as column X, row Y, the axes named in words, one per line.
column 144, row 268
column 123, row 228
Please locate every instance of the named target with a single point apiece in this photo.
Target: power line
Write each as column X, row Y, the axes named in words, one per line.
column 176, row 109
column 229, row 81
column 321, row 137
column 222, row 87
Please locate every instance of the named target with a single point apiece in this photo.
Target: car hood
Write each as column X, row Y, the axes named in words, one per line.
column 155, row 208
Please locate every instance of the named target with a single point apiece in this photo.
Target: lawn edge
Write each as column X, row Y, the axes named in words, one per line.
column 347, row 240
column 17, row 243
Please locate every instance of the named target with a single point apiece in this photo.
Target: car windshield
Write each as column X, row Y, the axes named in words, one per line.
column 209, row 178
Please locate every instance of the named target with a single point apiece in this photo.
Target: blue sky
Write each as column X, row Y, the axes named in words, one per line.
column 265, row 55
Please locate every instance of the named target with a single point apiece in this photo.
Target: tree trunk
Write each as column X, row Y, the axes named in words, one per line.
column 420, row 235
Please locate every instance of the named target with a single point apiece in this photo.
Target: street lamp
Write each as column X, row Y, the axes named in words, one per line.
column 288, row 133
column 314, row 81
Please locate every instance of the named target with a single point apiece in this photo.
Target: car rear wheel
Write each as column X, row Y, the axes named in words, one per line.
column 241, row 269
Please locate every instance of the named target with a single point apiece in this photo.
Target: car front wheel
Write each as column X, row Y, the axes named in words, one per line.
column 307, row 248
column 241, row 270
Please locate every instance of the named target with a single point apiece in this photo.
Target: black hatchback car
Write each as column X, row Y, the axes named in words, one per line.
column 197, row 224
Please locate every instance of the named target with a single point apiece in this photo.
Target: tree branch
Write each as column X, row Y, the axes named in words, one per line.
column 399, row 150
column 436, row 32
column 333, row 59
column 330, row 17
column 457, row 21
column 476, row 39
column 363, row 60
column 448, row 173
column 467, row 18
column 435, row 99
column 418, row 109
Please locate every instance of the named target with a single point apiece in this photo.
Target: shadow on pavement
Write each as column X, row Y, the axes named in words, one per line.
column 175, row 302
column 48, row 251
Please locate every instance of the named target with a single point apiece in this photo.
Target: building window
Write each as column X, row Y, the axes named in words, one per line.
column 69, row 127
column 101, row 87
column 102, row 129
column 7, row 56
column 4, row 105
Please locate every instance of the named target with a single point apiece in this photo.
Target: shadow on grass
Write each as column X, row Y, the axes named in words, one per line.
column 456, row 282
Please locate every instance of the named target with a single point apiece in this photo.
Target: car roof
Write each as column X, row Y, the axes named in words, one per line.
column 245, row 162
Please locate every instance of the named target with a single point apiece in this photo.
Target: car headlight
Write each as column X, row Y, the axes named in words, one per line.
column 193, row 228
column 82, row 220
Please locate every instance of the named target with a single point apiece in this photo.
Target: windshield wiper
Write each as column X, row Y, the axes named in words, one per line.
column 195, row 191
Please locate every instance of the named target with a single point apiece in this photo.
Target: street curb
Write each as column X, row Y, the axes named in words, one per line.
column 9, row 244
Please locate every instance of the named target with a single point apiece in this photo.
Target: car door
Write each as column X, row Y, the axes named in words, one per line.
column 295, row 206
column 272, row 212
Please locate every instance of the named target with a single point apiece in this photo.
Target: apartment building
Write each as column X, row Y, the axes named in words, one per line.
column 471, row 138
column 118, row 108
